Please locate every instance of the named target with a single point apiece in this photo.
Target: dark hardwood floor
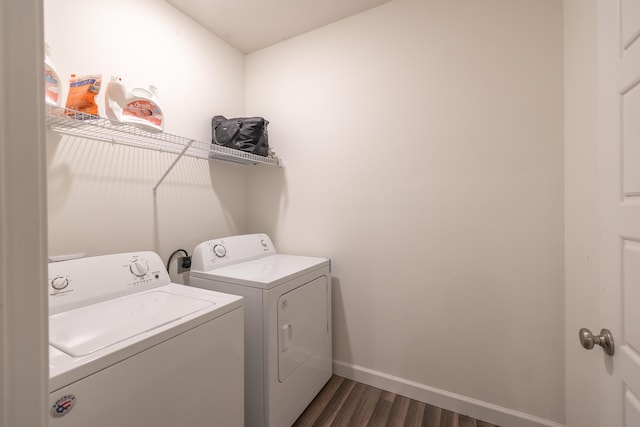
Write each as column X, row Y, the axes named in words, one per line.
column 346, row 403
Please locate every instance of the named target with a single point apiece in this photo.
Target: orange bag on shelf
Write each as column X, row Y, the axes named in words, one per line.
column 82, row 96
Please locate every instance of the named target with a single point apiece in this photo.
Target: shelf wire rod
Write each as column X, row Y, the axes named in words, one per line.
column 175, row 161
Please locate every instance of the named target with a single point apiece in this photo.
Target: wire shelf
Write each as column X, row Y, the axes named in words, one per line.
column 74, row 123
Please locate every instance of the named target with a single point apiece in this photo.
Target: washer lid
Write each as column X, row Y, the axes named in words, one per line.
column 266, row 272
column 88, row 329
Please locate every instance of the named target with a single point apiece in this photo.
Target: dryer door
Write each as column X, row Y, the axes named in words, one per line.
column 302, row 324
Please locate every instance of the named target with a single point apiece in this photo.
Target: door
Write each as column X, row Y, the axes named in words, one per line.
column 619, row 154
column 303, row 325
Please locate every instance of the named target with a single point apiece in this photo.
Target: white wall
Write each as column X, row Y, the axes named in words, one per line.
column 422, row 143
column 581, row 210
column 100, row 195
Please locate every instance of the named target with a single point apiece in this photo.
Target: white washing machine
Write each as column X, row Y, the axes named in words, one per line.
column 288, row 355
column 128, row 348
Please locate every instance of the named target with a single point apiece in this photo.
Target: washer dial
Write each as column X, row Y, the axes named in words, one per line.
column 139, row 268
column 220, row 251
column 59, row 283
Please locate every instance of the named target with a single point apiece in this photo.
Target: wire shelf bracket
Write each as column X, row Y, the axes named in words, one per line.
column 175, row 161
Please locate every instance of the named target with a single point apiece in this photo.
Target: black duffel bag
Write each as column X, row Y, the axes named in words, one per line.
column 247, row 134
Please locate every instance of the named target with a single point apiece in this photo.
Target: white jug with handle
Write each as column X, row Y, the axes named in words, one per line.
column 139, row 107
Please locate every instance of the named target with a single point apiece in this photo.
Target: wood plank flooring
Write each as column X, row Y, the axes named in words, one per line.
column 346, row 403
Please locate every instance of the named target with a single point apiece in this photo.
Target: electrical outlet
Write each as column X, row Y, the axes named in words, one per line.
column 181, row 265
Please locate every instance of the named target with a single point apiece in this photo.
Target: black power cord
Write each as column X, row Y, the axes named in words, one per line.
column 186, row 261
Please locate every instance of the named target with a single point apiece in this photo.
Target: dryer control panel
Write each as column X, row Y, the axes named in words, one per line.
column 79, row 282
column 231, row 250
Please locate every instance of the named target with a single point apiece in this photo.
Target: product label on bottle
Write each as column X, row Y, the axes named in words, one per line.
column 145, row 110
column 51, row 89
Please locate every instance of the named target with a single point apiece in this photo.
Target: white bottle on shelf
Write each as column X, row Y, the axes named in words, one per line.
column 51, row 79
column 139, row 107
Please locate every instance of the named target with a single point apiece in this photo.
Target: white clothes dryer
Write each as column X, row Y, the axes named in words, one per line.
column 128, row 348
column 288, row 355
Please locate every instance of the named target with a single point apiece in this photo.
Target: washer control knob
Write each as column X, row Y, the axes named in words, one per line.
column 263, row 243
column 220, row 251
column 139, row 268
column 59, row 283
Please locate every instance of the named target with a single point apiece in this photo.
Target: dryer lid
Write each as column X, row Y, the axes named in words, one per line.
column 266, row 272
column 88, row 329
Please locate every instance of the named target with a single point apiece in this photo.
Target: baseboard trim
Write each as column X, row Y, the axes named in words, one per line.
column 443, row 399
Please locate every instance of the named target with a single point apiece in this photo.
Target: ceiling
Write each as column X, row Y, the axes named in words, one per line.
column 249, row 25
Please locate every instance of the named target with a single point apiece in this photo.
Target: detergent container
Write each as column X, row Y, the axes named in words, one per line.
column 81, row 99
column 138, row 106
column 51, row 79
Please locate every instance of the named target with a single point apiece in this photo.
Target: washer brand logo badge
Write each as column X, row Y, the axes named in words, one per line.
column 63, row 405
